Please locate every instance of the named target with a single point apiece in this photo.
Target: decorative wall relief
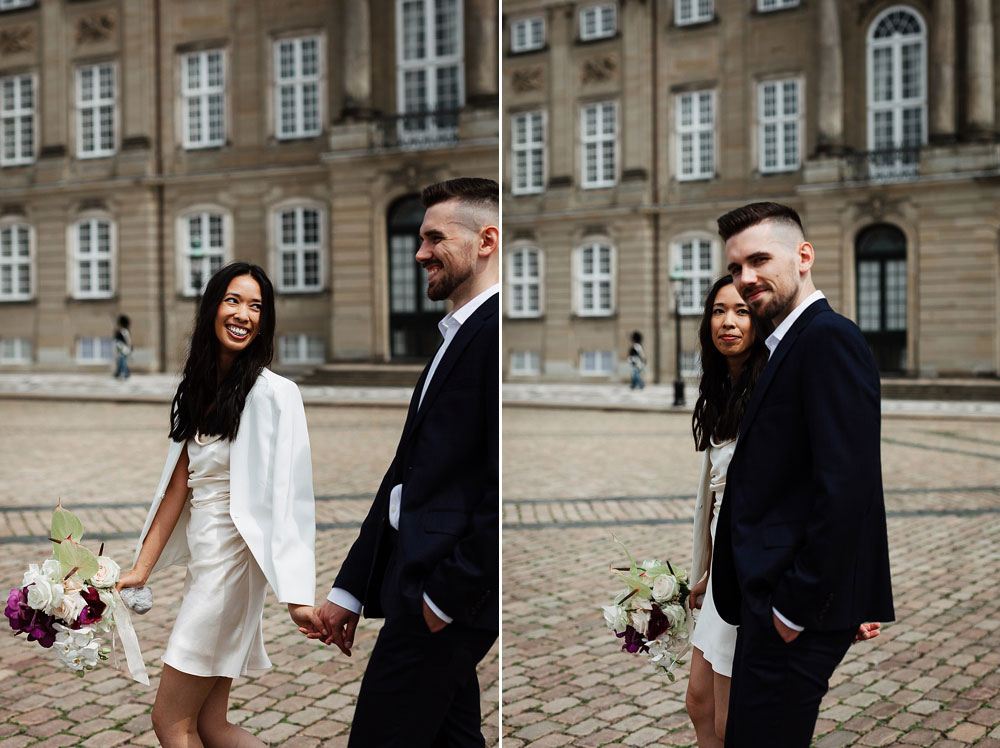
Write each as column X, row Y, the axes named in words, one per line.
column 598, row 69
column 524, row 80
column 95, row 28
column 16, row 39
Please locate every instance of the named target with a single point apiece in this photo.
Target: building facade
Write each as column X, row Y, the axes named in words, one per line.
column 145, row 143
column 631, row 125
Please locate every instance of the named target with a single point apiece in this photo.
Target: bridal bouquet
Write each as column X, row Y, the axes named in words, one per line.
column 651, row 614
column 69, row 603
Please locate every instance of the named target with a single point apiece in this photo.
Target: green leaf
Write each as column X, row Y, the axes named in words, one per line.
column 65, row 524
column 73, row 555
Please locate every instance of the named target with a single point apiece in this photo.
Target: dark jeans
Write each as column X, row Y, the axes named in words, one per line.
column 777, row 687
column 121, row 366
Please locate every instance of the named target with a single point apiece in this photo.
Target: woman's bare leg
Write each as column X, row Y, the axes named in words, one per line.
column 700, row 700
column 179, row 700
column 721, row 683
column 213, row 721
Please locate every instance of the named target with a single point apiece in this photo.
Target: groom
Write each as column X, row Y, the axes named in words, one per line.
column 427, row 555
column 801, row 555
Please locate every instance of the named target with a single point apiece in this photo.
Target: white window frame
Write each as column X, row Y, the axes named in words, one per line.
column 605, row 18
column 12, row 4
column 699, row 131
column 599, row 357
column 199, row 96
column 14, row 351
column 767, row 6
column 185, row 253
column 524, row 282
column 95, row 105
column 18, row 114
column 430, row 63
column 605, row 177
column 524, row 363
column 581, row 279
column 688, row 12
column 76, row 256
column 103, row 345
column 527, row 34
column 298, row 82
column 303, row 344
column 897, row 105
column 694, row 276
column 690, row 363
column 779, row 121
column 299, row 249
column 523, row 178
column 13, row 262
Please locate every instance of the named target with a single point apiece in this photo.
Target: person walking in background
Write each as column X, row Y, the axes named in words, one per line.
column 637, row 360
column 123, row 347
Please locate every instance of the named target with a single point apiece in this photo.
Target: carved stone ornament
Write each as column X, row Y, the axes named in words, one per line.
column 16, row 39
column 95, row 28
column 524, row 80
column 598, row 69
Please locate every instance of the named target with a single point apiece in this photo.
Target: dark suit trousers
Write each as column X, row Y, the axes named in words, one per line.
column 420, row 689
column 777, row 687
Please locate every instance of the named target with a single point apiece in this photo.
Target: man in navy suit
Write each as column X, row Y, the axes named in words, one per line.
column 427, row 556
column 801, row 556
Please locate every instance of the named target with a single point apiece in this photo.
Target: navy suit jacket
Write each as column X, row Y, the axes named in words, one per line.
column 802, row 525
column 448, row 463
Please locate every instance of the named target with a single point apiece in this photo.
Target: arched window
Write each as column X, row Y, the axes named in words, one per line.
column 524, row 283
column 594, row 273
column 92, row 246
column 897, row 89
column 203, row 246
column 17, row 260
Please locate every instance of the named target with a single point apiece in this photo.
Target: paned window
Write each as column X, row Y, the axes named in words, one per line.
column 599, row 136
column 95, row 110
column 779, row 105
column 15, row 351
column 595, row 280
column 94, row 350
column 695, row 123
column 301, row 349
column 297, row 73
column 429, row 50
column 203, row 249
column 525, row 363
column 524, row 283
column 16, row 262
column 17, row 111
column 598, row 22
column 527, row 34
column 93, row 258
column 597, row 363
column 204, row 91
column 692, row 11
column 529, row 153
column 690, row 363
column 766, row 5
column 299, row 250
column 11, row 4
column 693, row 263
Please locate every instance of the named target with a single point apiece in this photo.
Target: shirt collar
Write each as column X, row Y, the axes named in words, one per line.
column 456, row 318
column 786, row 324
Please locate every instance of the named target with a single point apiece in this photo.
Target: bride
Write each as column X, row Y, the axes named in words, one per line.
column 235, row 504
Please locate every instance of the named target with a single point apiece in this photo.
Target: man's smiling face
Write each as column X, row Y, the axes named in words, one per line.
column 447, row 250
column 764, row 262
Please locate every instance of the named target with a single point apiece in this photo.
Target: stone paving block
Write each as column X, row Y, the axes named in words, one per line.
column 644, row 736
column 837, row 739
column 106, row 739
column 967, row 733
column 278, row 733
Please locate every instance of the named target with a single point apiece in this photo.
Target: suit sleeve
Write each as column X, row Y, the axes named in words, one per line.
column 354, row 572
column 463, row 582
column 841, row 392
column 293, row 507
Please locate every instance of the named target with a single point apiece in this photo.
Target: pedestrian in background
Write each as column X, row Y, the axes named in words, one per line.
column 123, row 347
column 637, row 359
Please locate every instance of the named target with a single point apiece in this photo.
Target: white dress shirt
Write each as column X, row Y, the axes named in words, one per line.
column 449, row 327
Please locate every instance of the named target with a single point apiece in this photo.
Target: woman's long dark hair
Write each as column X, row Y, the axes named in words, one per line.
column 721, row 404
column 203, row 404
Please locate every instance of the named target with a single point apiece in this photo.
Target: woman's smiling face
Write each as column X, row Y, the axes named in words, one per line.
column 238, row 316
column 732, row 327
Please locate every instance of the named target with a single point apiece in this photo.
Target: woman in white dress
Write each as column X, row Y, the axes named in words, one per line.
column 235, row 504
column 733, row 355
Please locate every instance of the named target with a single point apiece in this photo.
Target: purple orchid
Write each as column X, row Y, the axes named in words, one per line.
column 633, row 641
column 95, row 607
column 22, row 617
column 658, row 623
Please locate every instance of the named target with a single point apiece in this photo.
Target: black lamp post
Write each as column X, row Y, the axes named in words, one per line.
column 676, row 283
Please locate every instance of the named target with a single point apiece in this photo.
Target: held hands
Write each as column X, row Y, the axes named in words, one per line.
column 305, row 617
column 337, row 626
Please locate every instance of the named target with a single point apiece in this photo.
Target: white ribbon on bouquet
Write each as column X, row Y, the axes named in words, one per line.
column 130, row 642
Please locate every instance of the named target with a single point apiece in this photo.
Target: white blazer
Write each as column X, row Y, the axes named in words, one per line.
column 271, row 493
column 701, row 553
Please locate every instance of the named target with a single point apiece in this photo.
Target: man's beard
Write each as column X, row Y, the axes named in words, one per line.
column 447, row 280
column 771, row 309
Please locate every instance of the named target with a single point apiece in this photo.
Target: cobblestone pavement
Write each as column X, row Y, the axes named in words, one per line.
column 574, row 477
column 103, row 460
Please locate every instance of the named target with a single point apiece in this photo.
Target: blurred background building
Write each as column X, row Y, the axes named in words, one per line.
column 631, row 125
column 145, row 143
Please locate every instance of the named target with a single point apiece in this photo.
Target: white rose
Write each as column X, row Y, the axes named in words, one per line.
column 641, row 603
column 107, row 573
column 53, row 570
column 664, row 587
column 640, row 621
column 70, row 608
column 73, row 584
column 676, row 615
column 44, row 595
column 616, row 617
column 32, row 575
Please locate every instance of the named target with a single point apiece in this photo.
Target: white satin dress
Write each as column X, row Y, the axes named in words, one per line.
column 218, row 630
column 712, row 635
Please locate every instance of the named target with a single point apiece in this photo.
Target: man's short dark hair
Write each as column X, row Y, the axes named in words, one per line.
column 743, row 218
column 473, row 191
